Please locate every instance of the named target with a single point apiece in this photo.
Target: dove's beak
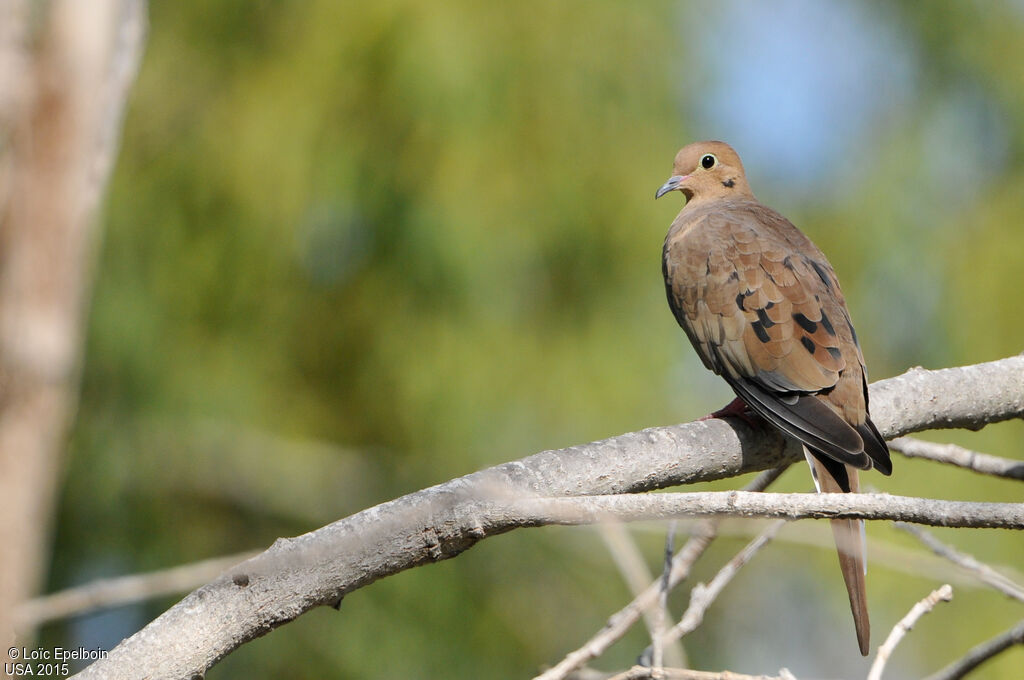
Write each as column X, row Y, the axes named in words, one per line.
column 671, row 185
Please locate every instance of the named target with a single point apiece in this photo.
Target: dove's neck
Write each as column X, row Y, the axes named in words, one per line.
column 717, row 202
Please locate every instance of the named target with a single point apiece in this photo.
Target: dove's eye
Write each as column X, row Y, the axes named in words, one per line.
column 708, row 161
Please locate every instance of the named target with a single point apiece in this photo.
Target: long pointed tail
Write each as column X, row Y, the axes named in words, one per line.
column 850, row 544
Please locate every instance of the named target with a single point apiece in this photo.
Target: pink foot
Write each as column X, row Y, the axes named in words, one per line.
column 737, row 408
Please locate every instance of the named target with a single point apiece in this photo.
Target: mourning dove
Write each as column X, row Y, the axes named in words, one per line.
column 763, row 308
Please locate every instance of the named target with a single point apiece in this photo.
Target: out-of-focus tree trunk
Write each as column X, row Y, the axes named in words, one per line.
column 62, row 95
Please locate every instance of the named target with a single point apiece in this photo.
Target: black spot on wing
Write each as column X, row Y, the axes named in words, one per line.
column 834, row 351
column 827, row 325
column 821, row 273
column 740, row 299
column 805, row 323
column 760, row 332
column 849, row 324
column 808, row 344
column 762, row 316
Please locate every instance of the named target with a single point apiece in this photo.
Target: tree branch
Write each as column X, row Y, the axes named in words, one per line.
column 982, row 571
column 321, row 567
column 981, row 653
column 645, row 672
column 791, row 506
column 943, row 594
column 62, row 96
column 952, row 454
column 630, row 561
column 114, row 592
column 701, row 597
column 619, row 624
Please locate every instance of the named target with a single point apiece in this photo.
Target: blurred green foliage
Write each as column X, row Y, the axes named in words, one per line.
column 355, row 249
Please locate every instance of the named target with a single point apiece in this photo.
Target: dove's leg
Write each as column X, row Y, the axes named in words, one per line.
column 737, row 408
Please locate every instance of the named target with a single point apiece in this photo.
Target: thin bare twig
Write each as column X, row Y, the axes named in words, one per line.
column 122, row 590
column 618, row 624
column 981, row 653
column 577, row 510
column 982, row 571
column 644, row 672
column 952, row 454
column 630, row 561
column 893, row 557
column 703, row 596
column 657, row 659
column 943, row 594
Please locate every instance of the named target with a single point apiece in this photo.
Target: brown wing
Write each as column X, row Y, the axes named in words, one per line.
column 763, row 308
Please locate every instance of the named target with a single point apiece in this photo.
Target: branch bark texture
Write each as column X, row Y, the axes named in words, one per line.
column 321, row 567
column 951, row 454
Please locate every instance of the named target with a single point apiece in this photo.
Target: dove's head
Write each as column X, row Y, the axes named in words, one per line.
column 707, row 170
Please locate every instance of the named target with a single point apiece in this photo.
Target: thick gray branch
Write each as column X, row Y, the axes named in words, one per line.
column 320, row 567
column 909, row 403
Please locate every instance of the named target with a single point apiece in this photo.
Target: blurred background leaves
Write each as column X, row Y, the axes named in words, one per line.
column 355, row 249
